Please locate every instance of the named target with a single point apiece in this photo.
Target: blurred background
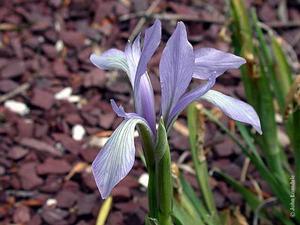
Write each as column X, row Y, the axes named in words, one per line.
column 55, row 113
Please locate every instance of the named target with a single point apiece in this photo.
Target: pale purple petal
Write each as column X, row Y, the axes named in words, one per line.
column 116, row 158
column 234, row 108
column 119, row 110
column 175, row 68
column 110, row 59
column 144, row 101
column 210, row 61
column 133, row 54
column 188, row 98
column 151, row 42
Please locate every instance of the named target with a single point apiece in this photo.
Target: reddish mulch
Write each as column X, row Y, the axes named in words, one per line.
column 44, row 173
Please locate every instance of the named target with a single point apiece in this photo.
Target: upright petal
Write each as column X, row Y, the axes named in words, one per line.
column 144, row 101
column 188, row 98
column 210, row 61
column 175, row 68
column 133, row 55
column 110, row 59
column 151, row 42
column 116, row 158
column 234, row 108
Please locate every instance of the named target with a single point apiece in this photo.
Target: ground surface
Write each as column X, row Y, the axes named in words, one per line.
column 45, row 176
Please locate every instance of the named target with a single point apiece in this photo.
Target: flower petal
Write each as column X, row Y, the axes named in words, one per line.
column 144, row 101
column 116, row 158
column 133, row 55
column 234, row 108
column 110, row 59
column 151, row 42
column 210, row 61
column 119, row 110
column 175, row 68
column 188, row 98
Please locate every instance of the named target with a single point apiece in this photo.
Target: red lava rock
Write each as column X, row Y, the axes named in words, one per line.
column 13, row 69
column 72, row 38
column 21, row 215
column 50, row 51
column 36, row 220
column 39, row 146
column 17, row 153
column 95, row 78
column 42, row 99
column 121, row 192
column 106, row 120
column 52, row 184
column 54, row 215
column 127, row 207
column 86, row 203
column 225, row 148
column 7, row 85
column 54, row 166
column 89, row 180
column 2, row 170
column 25, row 127
column 60, row 69
column 89, row 154
column 66, row 199
column 69, row 143
column 219, row 199
column 28, row 176
column 115, row 218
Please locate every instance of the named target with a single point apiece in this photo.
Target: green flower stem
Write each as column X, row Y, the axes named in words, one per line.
column 148, row 148
column 164, row 177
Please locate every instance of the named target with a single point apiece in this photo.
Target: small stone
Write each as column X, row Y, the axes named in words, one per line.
column 16, row 107
column 7, row 85
column 66, row 199
column 21, row 215
column 121, row 192
column 143, row 180
column 64, row 94
column 28, row 176
column 54, row 166
column 72, row 38
column 17, row 153
column 13, row 69
column 78, row 132
column 51, row 202
column 85, row 204
column 42, row 99
column 54, row 215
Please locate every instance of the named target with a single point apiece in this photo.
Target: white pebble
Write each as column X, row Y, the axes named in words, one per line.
column 51, row 202
column 63, row 94
column 143, row 180
column 16, row 107
column 78, row 132
column 74, row 98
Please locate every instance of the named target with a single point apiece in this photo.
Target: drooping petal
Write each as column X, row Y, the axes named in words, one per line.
column 151, row 42
column 234, row 108
column 116, row 158
column 188, row 98
column 210, row 61
column 175, row 68
column 119, row 110
column 110, row 59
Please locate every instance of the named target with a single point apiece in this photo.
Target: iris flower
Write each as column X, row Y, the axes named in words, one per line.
column 179, row 64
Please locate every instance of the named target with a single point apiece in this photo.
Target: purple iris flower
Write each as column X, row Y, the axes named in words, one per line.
column 178, row 65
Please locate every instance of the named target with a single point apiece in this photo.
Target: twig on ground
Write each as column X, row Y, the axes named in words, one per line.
column 19, row 90
column 142, row 20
